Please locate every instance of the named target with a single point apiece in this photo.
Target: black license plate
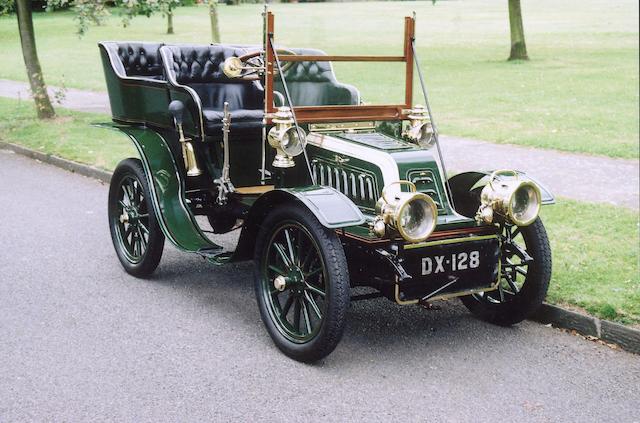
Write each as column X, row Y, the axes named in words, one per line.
column 450, row 266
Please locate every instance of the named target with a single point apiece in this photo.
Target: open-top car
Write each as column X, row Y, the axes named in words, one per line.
column 328, row 192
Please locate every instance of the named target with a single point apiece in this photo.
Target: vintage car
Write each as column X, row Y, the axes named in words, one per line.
column 329, row 193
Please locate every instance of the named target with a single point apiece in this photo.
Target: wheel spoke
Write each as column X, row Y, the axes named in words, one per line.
column 511, row 283
column 283, row 255
column 130, row 192
column 143, row 227
column 128, row 232
column 296, row 315
column 313, row 272
column 277, row 269
column 305, row 262
column 315, row 290
column 501, row 292
column 313, row 304
column 521, row 253
column 287, row 306
column 290, row 245
column 299, row 239
column 307, row 320
column 143, row 242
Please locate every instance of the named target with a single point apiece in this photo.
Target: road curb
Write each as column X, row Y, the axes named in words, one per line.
column 627, row 338
column 71, row 166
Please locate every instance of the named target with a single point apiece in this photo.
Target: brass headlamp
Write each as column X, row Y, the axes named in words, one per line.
column 285, row 138
column 420, row 130
column 508, row 198
column 413, row 214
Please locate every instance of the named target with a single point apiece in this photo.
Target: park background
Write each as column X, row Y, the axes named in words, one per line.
column 577, row 93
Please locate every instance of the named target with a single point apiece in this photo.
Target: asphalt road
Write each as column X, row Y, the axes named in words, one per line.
column 81, row 340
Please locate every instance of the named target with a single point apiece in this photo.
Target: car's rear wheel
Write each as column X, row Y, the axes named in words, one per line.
column 301, row 283
column 135, row 232
column 524, row 278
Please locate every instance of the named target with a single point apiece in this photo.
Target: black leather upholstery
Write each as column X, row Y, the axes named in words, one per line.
column 315, row 84
column 137, row 59
column 200, row 68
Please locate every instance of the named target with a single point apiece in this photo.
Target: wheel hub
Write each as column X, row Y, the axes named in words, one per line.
column 129, row 215
column 294, row 280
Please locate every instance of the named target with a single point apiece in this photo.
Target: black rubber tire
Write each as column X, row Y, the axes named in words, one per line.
column 155, row 245
column 533, row 291
column 337, row 285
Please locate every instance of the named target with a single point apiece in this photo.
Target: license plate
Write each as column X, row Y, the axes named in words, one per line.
column 463, row 260
column 451, row 266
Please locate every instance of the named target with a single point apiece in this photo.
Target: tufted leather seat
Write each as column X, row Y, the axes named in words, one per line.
column 315, row 84
column 137, row 59
column 200, row 68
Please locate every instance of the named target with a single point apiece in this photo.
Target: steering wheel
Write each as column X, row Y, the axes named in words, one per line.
column 248, row 67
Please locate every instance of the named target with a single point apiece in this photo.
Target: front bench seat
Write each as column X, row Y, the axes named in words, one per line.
column 199, row 69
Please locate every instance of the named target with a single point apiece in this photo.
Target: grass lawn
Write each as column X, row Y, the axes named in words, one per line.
column 595, row 247
column 578, row 93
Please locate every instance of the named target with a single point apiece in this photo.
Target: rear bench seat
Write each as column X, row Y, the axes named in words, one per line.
column 137, row 59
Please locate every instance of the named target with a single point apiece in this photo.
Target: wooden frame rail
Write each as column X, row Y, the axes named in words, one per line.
column 311, row 114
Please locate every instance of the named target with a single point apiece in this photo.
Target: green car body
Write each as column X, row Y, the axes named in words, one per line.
column 237, row 180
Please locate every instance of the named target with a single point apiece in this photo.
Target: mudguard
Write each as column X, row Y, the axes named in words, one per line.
column 468, row 181
column 465, row 190
column 333, row 210
column 174, row 216
column 331, row 207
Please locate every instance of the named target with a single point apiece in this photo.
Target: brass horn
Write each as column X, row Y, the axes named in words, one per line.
column 176, row 108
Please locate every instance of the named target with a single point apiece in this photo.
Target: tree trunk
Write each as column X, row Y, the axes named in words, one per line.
column 30, row 55
column 518, row 45
column 213, row 18
column 170, row 21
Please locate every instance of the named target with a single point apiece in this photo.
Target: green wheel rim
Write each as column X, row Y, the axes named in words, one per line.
column 514, row 266
column 131, row 219
column 298, row 308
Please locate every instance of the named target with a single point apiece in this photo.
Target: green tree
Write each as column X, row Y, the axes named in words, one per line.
column 87, row 12
column 518, row 44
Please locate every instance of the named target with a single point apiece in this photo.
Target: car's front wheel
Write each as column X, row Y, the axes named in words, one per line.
column 136, row 235
column 524, row 278
column 301, row 282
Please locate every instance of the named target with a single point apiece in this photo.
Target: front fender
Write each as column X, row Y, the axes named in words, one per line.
column 466, row 186
column 333, row 210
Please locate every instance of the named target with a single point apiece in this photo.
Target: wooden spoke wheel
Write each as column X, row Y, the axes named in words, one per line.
column 524, row 277
column 302, row 284
column 135, row 233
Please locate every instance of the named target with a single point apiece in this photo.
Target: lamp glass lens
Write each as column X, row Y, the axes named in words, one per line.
column 427, row 138
column 417, row 219
column 291, row 142
column 525, row 204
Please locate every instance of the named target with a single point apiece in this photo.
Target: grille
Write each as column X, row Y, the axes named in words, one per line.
column 357, row 185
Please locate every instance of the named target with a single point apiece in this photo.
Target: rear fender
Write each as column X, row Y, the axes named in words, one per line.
column 167, row 190
column 332, row 209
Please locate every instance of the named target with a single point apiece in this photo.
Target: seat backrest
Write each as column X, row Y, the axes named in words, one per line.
column 136, row 59
column 200, row 67
column 315, row 83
